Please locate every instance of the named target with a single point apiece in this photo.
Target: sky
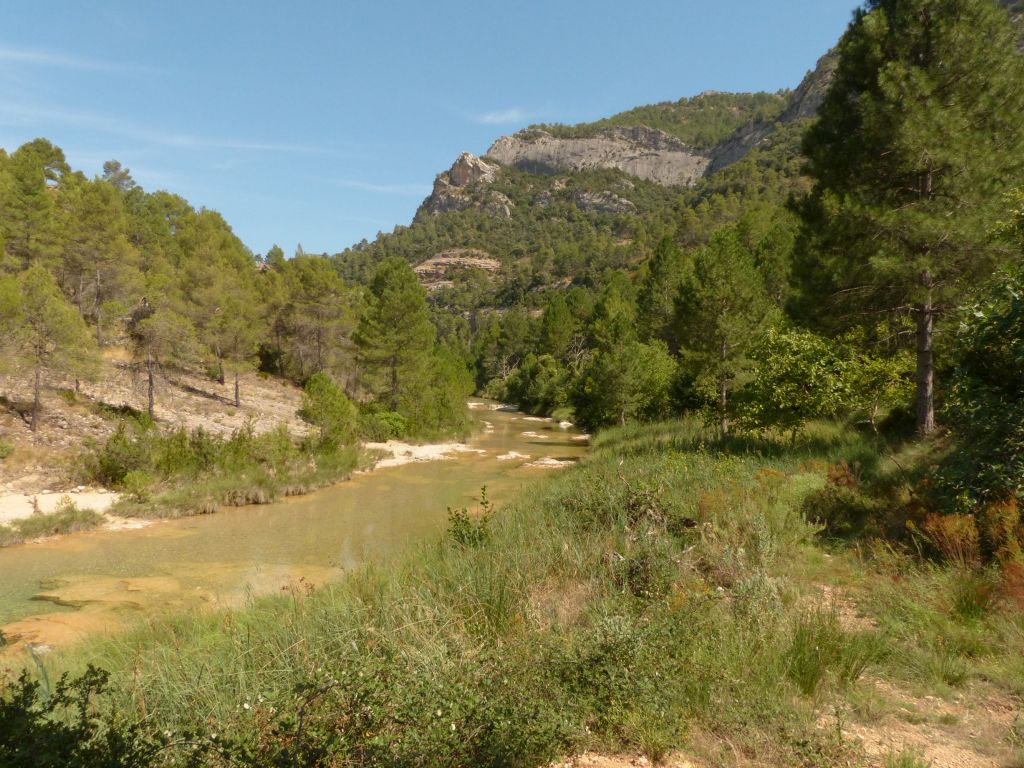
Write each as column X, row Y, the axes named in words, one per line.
column 320, row 122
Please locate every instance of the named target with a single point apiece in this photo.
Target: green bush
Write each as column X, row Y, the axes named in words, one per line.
column 380, row 426
column 61, row 729
column 6, row 449
column 985, row 404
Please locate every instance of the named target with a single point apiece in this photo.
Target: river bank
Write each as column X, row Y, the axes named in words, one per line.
column 60, row 590
column 667, row 596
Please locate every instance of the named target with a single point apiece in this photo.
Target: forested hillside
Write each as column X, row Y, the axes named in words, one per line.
column 797, row 540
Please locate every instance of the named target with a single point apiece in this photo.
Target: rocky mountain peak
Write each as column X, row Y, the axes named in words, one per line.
column 470, row 169
column 466, row 185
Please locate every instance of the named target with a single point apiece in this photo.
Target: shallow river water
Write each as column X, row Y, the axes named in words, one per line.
column 54, row 592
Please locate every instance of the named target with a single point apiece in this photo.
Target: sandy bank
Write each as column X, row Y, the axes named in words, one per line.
column 17, row 506
column 399, row 453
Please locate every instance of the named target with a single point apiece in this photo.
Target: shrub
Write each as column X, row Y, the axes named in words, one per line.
column 467, row 531
column 956, row 537
column 381, row 426
column 62, row 729
column 6, row 449
column 326, row 407
column 985, row 405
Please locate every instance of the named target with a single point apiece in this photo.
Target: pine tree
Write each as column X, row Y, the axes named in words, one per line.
column 721, row 312
column 920, row 134
column 395, row 338
column 29, row 213
column 666, row 271
column 44, row 334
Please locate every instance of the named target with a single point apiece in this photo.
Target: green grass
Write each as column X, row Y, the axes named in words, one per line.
column 660, row 559
column 176, row 473
column 67, row 518
column 663, row 594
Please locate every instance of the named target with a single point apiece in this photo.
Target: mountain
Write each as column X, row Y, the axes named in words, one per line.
column 556, row 205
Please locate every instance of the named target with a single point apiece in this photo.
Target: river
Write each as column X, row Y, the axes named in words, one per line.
column 57, row 591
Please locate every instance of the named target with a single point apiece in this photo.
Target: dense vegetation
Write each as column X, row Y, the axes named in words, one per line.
column 89, row 265
column 770, row 359
column 702, row 121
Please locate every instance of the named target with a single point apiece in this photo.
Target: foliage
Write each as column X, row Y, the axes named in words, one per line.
column 471, row 531
column 325, row 406
column 41, row 331
column 797, row 377
column 720, row 313
column 66, row 518
column 170, row 472
column 60, row 729
column 985, row 407
column 921, row 132
column 702, row 121
column 626, row 382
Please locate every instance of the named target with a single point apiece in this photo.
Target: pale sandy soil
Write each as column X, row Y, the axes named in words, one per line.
column 398, row 453
column 44, row 461
column 549, row 462
column 595, row 760
column 512, row 456
column 16, row 506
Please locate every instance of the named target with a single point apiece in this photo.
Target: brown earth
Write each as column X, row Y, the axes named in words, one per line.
column 68, row 419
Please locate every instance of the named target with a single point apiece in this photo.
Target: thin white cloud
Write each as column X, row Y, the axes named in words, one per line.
column 20, row 114
column 502, row 117
column 407, row 190
column 44, row 58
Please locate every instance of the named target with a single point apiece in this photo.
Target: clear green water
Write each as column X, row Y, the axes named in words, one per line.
column 54, row 591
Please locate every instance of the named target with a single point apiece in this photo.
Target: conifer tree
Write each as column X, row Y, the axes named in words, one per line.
column 44, row 335
column 721, row 312
column 395, row 337
column 666, row 271
column 920, row 134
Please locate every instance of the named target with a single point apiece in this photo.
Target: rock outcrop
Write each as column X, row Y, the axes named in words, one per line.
column 466, row 185
column 602, row 202
column 804, row 103
column 436, row 272
column 639, row 151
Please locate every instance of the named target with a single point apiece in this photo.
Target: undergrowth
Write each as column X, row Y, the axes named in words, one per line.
column 167, row 473
column 660, row 595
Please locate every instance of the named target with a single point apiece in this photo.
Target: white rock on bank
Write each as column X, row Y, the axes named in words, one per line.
column 549, row 462
column 512, row 456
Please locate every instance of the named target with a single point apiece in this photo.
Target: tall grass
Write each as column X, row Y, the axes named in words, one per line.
column 67, row 518
column 177, row 472
column 667, row 552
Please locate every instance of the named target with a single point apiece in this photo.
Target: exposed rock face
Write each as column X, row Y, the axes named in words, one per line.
column 434, row 273
column 465, row 185
column 804, row 103
column 469, row 169
column 643, row 152
column 602, row 202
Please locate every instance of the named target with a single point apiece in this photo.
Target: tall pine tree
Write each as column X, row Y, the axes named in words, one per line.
column 920, row 134
column 395, row 337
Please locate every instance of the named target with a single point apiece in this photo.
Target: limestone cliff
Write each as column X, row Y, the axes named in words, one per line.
column 639, row 151
column 466, row 185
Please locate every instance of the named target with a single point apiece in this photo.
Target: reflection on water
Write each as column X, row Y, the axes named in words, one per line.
column 55, row 591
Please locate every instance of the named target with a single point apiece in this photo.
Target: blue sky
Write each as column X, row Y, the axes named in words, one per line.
column 322, row 123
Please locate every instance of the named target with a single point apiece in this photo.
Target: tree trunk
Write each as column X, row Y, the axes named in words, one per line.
column 394, row 384
column 149, row 373
column 723, row 392
column 238, row 400
column 99, row 312
column 35, row 401
column 924, row 398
